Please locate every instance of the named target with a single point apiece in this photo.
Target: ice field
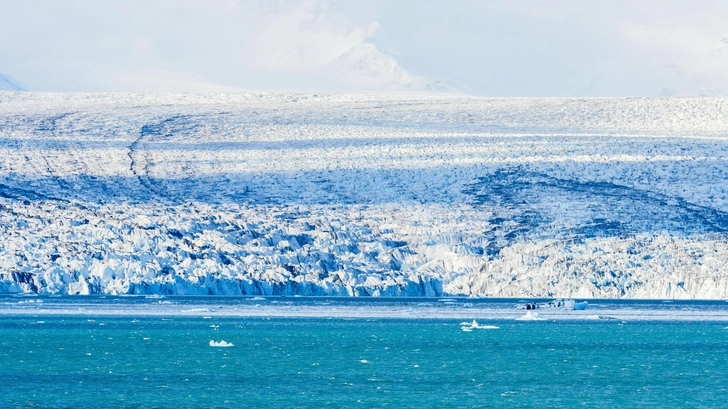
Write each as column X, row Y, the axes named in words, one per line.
column 363, row 195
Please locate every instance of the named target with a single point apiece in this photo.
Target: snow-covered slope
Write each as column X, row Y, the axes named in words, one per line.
column 363, row 195
column 6, row 84
column 365, row 66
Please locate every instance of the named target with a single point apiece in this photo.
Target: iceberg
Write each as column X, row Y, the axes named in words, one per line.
column 559, row 303
column 469, row 326
column 221, row 344
column 531, row 316
column 580, row 306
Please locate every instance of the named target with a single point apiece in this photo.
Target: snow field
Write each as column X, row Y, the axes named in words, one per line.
column 363, row 195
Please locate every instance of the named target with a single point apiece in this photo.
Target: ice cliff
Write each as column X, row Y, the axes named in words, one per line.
column 369, row 195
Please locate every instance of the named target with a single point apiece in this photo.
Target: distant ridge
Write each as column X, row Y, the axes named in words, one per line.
column 8, row 84
column 367, row 67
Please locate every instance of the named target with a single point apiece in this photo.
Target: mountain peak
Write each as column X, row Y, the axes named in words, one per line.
column 8, row 84
column 365, row 66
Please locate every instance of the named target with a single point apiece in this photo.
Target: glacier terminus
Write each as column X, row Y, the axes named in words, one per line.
column 363, row 195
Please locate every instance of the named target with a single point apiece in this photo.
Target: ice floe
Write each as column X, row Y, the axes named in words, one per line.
column 469, row 326
column 221, row 344
column 531, row 316
column 350, row 308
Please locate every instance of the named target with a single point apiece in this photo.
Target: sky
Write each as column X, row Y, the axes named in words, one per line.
column 499, row 48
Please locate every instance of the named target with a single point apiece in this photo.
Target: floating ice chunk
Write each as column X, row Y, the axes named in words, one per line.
column 531, row 316
column 258, row 299
column 579, row 306
column 467, row 329
column 474, row 325
column 364, row 361
column 221, row 344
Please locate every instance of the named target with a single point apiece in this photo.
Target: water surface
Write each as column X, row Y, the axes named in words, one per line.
column 167, row 362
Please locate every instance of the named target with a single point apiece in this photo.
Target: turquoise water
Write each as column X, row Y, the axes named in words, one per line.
column 71, row 362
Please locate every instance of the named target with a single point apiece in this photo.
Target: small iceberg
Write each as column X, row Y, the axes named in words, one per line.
column 531, row 316
column 469, row 326
column 580, row 306
column 558, row 303
column 221, row 344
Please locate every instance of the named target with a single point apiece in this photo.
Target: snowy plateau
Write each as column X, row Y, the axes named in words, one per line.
column 363, row 195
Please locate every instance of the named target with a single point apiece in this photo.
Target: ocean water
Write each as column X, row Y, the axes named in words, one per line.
column 67, row 361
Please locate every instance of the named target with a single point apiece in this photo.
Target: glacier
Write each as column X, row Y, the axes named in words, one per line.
column 363, row 195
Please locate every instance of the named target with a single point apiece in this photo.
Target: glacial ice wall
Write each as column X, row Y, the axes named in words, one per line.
column 366, row 195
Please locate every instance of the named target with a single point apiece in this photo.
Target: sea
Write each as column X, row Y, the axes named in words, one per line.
column 136, row 352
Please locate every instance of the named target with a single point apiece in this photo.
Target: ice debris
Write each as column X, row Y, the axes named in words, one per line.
column 531, row 316
column 469, row 326
column 221, row 344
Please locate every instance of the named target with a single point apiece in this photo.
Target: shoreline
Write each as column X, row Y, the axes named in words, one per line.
column 373, row 312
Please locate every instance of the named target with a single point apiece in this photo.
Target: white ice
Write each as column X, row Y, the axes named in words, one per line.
column 221, row 344
column 363, row 195
column 468, row 326
column 531, row 316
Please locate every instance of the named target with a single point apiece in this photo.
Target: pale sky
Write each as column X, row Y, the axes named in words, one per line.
column 480, row 47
